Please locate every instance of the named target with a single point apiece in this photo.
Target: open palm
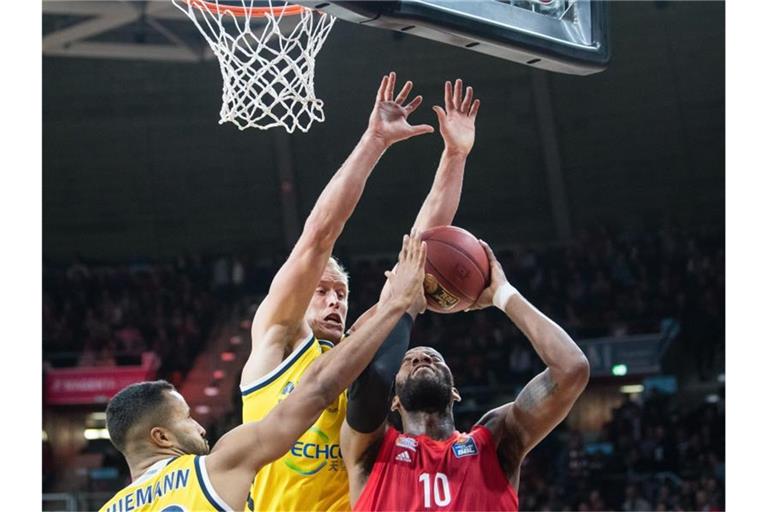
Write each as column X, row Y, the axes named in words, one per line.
column 457, row 120
column 389, row 118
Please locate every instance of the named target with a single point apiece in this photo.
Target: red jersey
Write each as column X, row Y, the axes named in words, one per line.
column 421, row 473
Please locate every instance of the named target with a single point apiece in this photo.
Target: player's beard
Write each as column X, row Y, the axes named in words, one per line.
column 194, row 445
column 429, row 393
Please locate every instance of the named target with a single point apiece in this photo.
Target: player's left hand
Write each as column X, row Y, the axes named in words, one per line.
column 498, row 278
column 457, row 120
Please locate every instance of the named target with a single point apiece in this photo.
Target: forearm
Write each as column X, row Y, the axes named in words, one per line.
column 442, row 202
column 553, row 345
column 339, row 198
column 327, row 377
column 333, row 372
column 368, row 396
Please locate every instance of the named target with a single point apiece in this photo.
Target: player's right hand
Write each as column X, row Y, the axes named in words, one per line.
column 389, row 119
column 405, row 281
column 498, row 278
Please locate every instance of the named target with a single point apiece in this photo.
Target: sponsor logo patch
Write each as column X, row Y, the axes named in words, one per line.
column 445, row 299
column 407, row 442
column 464, row 448
column 312, row 453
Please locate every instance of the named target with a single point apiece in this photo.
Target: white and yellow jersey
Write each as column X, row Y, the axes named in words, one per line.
column 311, row 476
column 179, row 484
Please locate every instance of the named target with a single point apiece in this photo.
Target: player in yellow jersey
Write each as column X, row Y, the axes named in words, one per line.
column 166, row 450
column 305, row 311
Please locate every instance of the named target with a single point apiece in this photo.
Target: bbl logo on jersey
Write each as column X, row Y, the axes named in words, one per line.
column 464, row 448
column 407, row 442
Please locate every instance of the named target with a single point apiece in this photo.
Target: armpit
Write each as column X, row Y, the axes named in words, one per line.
column 508, row 441
column 368, row 458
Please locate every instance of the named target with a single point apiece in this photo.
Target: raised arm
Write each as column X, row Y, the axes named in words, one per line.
column 547, row 399
column 280, row 317
column 368, row 396
column 235, row 459
column 457, row 127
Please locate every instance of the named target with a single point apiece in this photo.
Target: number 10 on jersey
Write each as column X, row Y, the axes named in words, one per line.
column 438, row 487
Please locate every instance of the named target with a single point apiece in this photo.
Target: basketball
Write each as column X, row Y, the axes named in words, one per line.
column 457, row 269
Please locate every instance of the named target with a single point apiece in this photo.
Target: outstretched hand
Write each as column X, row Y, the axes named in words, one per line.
column 405, row 281
column 498, row 278
column 389, row 118
column 457, row 120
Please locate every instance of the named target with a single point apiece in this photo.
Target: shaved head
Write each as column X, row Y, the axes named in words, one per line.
column 424, row 382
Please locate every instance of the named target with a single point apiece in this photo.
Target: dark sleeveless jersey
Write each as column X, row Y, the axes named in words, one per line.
column 421, row 473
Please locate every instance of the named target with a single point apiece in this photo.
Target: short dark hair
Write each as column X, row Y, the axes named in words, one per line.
column 132, row 404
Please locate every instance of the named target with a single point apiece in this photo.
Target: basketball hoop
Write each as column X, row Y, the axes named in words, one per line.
column 268, row 73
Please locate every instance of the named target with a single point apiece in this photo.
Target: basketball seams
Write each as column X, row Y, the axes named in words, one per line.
column 443, row 279
column 461, row 251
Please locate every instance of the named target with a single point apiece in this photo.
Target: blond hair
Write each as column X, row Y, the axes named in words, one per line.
column 334, row 264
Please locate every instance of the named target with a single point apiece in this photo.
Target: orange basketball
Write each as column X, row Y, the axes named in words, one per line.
column 457, row 269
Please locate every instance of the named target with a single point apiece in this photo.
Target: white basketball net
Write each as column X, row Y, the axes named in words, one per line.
column 268, row 76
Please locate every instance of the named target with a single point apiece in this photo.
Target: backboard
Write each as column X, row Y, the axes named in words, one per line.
column 564, row 36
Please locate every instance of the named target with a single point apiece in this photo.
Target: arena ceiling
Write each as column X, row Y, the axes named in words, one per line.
column 135, row 164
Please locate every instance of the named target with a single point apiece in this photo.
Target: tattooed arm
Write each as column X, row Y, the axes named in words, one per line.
column 546, row 400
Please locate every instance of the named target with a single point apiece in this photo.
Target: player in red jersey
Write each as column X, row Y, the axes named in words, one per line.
column 431, row 466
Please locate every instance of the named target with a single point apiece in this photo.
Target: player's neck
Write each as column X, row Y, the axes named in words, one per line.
column 437, row 425
column 139, row 463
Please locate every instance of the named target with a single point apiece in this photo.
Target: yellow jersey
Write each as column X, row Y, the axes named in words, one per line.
column 311, row 476
column 178, row 484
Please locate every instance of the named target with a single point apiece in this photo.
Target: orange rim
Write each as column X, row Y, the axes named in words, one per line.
column 241, row 11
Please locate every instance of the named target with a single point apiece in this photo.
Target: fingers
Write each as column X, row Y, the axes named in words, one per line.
column 440, row 114
column 414, row 104
column 467, row 100
column 390, row 86
column 457, row 93
column 413, row 248
column 382, row 88
column 448, row 96
column 422, row 254
column 488, row 251
column 403, row 256
column 404, row 93
column 415, row 245
column 474, row 109
column 421, row 129
column 457, row 100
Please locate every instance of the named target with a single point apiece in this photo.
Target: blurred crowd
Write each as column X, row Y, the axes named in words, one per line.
column 98, row 315
column 600, row 284
column 652, row 455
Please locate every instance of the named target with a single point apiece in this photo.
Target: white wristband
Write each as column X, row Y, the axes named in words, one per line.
column 502, row 295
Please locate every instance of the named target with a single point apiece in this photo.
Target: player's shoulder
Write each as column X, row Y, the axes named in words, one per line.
column 325, row 345
column 172, row 472
column 290, row 367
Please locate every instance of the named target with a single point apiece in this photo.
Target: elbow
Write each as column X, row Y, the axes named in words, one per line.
column 322, row 234
column 327, row 393
column 576, row 371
